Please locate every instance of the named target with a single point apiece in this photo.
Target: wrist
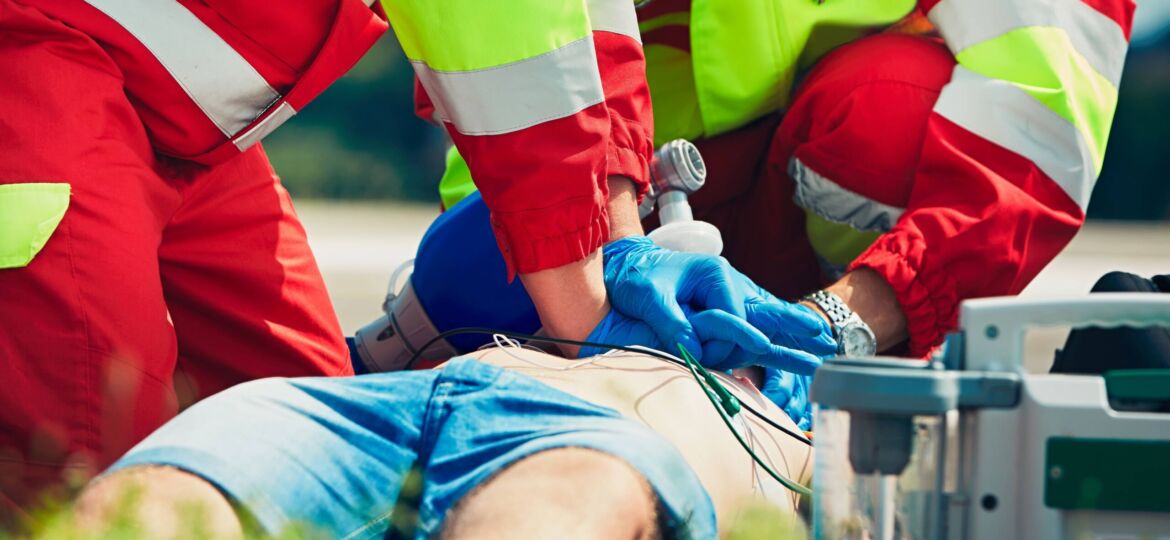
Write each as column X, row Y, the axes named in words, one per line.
column 816, row 309
column 872, row 298
column 622, row 208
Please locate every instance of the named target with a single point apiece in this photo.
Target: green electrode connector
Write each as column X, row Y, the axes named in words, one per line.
column 726, row 400
column 727, row 408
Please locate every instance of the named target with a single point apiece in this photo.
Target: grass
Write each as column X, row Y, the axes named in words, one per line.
column 56, row 520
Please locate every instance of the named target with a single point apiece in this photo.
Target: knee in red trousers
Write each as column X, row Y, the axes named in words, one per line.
column 859, row 117
column 858, row 120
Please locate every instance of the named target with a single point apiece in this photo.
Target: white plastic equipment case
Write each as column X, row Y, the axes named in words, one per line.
column 969, row 446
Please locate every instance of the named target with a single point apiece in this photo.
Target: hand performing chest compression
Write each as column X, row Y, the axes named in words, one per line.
column 661, row 297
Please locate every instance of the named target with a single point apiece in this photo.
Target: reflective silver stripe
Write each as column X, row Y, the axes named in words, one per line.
column 617, row 16
column 1004, row 114
column 829, row 200
column 264, row 127
column 964, row 23
column 224, row 85
column 511, row 97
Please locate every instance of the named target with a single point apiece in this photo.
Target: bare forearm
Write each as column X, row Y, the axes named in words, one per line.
column 623, row 209
column 872, row 298
column 571, row 299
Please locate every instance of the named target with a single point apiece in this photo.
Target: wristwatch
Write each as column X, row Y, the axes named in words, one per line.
column 854, row 338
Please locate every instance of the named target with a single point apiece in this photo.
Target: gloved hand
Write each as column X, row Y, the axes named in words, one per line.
column 792, row 325
column 654, row 285
column 790, row 392
column 651, row 284
column 727, row 342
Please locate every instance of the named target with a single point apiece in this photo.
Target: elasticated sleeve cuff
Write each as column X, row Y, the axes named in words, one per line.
column 543, row 238
column 629, row 151
column 929, row 300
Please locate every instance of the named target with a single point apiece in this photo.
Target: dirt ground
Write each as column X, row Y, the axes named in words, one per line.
column 358, row 245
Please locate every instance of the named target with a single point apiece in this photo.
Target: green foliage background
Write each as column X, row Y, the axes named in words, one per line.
column 361, row 139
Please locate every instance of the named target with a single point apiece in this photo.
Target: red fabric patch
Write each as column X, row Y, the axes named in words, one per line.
column 927, row 5
column 546, row 187
column 860, row 117
column 269, row 29
column 165, row 281
column 176, row 125
column 547, row 184
column 627, row 98
column 1121, row 11
column 981, row 221
column 423, row 106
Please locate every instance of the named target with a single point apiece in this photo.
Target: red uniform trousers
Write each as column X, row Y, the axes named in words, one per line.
column 860, row 115
column 164, row 282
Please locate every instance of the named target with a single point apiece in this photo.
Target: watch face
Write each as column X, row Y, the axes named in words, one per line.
column 857, row 340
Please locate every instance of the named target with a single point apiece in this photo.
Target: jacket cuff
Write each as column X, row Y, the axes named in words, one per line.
column 543, row 238
column 929, row 299
column 628, row 152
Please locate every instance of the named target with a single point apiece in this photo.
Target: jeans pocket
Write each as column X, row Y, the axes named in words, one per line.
column 29, row 214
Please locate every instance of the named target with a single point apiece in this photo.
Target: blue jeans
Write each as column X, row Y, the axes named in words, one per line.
column 333, row 452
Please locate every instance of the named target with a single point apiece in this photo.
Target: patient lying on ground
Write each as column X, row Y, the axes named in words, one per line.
column 509, row 443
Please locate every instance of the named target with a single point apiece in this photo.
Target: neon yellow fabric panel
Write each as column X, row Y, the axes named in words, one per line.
column 466, row 35
column 1043, row 62
column 672, row 90
column 743, row 61
column 29, row 213
column 837, row 243
column 456, row 183
column 746, row 51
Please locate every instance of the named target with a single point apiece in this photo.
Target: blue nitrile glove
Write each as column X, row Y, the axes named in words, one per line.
column 651, row 284
column 796, row 326
column 790, row 392
column 739, row 344
column 617, row 329
column 660, row 287
column 792, row 325
column 729, row 344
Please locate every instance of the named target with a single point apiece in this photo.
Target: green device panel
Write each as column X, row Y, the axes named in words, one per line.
column 1107, row 474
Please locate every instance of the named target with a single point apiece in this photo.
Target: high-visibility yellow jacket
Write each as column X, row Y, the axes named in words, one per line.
column 542, row 97
column 1037, row 79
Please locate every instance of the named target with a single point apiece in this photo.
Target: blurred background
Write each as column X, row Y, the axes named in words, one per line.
column 363, row 171
column 361, row 140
